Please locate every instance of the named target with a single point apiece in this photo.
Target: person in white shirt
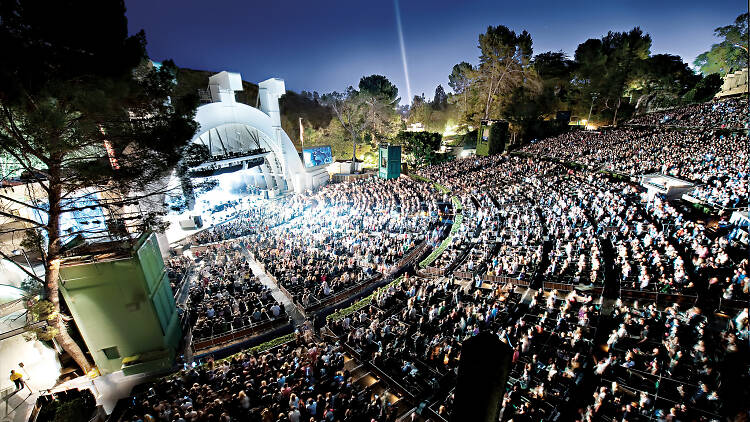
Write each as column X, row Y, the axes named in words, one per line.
column 294, row 415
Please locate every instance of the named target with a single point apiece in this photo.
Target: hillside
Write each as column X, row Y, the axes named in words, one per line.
column 293, row 105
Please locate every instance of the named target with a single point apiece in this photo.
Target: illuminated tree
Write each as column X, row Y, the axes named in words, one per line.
column 606, row 68
column 460, row 78
column 504, row 64
column 366, row 114
column 731, row 53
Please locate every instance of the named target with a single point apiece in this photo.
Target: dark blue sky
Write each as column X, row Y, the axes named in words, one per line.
column 327, row 45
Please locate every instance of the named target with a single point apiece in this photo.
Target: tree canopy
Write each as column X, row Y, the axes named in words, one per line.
column 89, row 119
column 504, row 65
column 730, row 54
column 380, row 87
column 368, row 114
column 421, row 147
column 607, row 67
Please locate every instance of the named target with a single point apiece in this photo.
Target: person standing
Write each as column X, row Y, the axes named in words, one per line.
column 17, row 379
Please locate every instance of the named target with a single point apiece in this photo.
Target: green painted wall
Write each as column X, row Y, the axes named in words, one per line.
column 389, row 161
column 124, row 303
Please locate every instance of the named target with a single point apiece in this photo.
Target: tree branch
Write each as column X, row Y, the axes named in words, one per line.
column 19, row 218
column 22, row 203
column 21, row 267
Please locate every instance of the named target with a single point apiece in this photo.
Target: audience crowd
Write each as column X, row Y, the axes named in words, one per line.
column 226, row 295
column 729, row 113
column 715, row 161
column 349, row 234
column 577, row 354
column 296, row 382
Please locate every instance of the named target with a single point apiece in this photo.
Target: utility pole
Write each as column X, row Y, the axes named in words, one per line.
column 593, row 98
column 301, row 133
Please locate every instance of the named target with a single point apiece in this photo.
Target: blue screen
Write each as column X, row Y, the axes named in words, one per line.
column 87, row 220
column 317, row 156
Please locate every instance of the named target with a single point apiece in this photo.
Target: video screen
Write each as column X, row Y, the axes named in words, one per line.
column 317, row 156
column 87, row 220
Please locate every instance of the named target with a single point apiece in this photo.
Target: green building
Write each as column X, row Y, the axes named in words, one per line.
column 389, row 161
column 123, row 305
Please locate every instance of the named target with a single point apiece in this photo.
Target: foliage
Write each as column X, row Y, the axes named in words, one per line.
column 33, row 241
column 362, row 303
column 440, row 188
column 380, row 87
column 730, row 54
column 337, row 138
column 504, row 65
column 661, row 82
column 608, row 78
column 433, row 116
column 498, row 138
column 469, row 139
column 705, row 89
column 76, row 410
column 32, row 287
column 260, row 348
column 420, row 178
column 444, row 244
column 278, row 341
column 421, row 147
column 555, row 70
column 460, row 82
column 78, row 95
column 440, row 100
column 192, row 155
column 460, row 77
column 367, row 115
column 307, row 106
column 356, row 306
column 607, row 68
column 44, row 310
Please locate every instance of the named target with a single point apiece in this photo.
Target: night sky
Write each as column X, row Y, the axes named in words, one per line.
column 327, row 45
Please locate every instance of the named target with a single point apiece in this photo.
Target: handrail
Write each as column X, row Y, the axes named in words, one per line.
column 240, row 334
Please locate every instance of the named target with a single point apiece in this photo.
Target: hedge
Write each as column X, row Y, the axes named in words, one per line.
column 419, row 178
column 270, row 344
column 444, row 245
column 441, row 188
column 356, row 306
column 456, row 204
column 459, row 218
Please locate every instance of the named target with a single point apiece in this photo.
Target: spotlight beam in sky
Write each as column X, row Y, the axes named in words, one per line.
column 403, row 49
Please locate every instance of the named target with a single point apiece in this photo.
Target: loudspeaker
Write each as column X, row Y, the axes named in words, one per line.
column 389, row 161
column 482, row 376
column 192, row 223
column 492, row 137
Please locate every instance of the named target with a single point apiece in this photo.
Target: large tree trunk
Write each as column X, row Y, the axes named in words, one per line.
column 53, row 272
column 354, row 155
column 614, row 119
column 489, row 100
column 465, row 102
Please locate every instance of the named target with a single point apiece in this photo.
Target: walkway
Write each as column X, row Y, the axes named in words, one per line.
column 277, row 294
column 107, row 389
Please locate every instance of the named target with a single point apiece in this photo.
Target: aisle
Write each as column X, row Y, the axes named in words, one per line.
column 277, row 294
